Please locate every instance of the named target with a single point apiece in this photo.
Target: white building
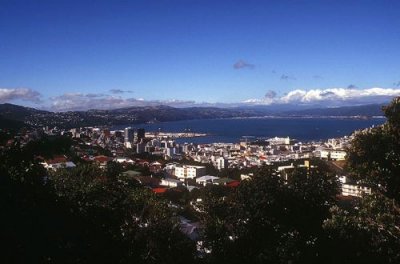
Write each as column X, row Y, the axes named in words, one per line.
column 189, row 171
column 349, row 189
column 124, row 160
column 58, row 163
column 170, row 182
column 246, row 176
column 221, row 163
column 354, row 190
column 338, row 154
column 206, row 179
column 333, row 154
column 279, row 141
column 128, row 145
column 286, row 167
column 128, row 134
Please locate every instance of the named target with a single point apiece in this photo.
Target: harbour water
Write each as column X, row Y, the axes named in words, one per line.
column 233, row 130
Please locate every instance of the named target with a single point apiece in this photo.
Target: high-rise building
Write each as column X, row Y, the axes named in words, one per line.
column 128, row 134
column 140, row 134
column 221, row 163
column 140, row 147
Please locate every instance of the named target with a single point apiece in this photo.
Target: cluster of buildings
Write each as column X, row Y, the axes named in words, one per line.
column 120, row 144
column 221, row 155
column 255, row 154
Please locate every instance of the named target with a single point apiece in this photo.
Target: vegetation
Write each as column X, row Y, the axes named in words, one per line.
column 375, row 154
column 83, row 215
column 270, row 220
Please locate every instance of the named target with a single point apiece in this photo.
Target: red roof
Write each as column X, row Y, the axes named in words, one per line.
column 86, row 158
column 101, row 159
column 141, row 161
column 57, row 159
column 159, row 190
column 233, row 184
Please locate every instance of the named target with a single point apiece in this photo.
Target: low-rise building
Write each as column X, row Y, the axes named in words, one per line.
column 333, row 154
column 171, row 182
column 207, row 179
column 189, row 171
column 353, row 189
column 57, row 163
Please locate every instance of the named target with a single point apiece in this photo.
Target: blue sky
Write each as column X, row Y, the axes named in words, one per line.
column 60, row 55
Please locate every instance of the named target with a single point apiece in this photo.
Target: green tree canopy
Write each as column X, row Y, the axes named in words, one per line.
column 83, row 215
column 272, row 220
column 369, row 233
column 374, row 155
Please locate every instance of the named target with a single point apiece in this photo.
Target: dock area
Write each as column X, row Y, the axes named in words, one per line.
column 173, row 135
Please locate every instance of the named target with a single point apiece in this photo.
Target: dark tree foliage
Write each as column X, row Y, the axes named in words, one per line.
column 146, row 156
column 374, row 156
column 48, row 146
column 83, row 215
column 36, row 227
column 234, row 173
column 6, row 135
column 135, row 218
column 216, row 208
column 113, row 170
column 369, row 233
column 178, row 195
column 272, row 220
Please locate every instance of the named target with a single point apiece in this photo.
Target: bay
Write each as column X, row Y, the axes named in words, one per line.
column 233, row 130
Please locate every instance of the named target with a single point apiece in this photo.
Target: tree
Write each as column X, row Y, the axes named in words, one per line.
column 374, row 155
column 216, row 209
column 37, row 226
column 369, row 233
column 48, row 146
column 141, row 225
column 272, row 220
column 83, row 215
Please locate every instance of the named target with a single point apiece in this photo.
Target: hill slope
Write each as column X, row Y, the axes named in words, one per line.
column 135, row 115
column 361, row 110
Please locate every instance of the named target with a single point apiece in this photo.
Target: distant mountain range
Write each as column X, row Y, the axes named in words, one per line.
column 16, row 116
column 360, row 110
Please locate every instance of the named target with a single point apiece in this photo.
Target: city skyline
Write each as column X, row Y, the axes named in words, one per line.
column 67, row 55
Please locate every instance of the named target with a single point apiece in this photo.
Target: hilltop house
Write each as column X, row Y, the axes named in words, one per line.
column 58, row 162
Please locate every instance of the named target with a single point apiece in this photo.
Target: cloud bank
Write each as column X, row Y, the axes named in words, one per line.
column 333, row 97
column 330, row 97
column 25, row 94
column 80, row 101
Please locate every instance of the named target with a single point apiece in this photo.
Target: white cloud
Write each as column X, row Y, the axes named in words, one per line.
column 11, row 94
column 333, row 96
column 79, row 101
column 322, row 97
